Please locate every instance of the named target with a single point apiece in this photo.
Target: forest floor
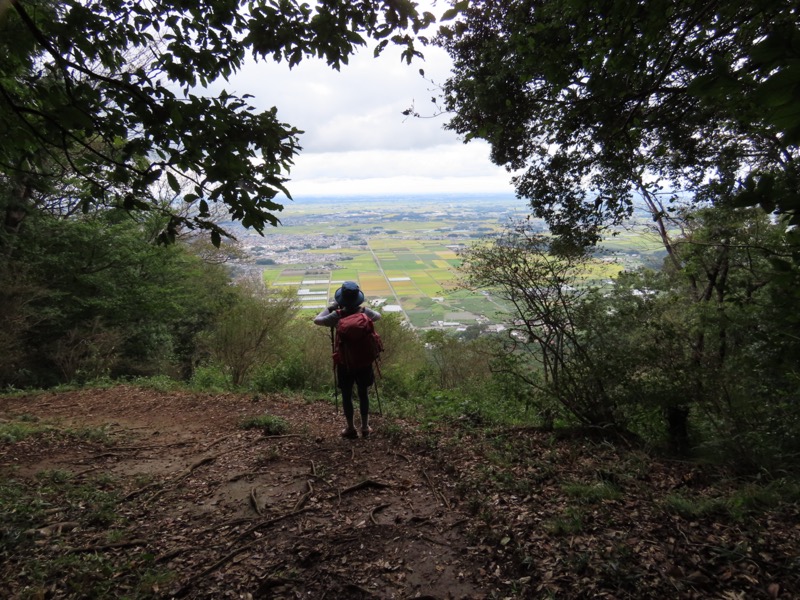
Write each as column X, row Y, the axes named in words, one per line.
column 130, row 492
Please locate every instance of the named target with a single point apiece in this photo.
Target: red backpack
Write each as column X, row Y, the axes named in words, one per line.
column 357, row 345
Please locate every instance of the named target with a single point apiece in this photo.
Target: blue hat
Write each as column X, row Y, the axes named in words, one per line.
column 349, row 295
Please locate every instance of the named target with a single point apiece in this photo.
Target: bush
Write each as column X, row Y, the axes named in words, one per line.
column 209, row 378
column 288, row 374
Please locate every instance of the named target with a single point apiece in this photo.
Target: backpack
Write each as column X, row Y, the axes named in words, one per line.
column 357, row 345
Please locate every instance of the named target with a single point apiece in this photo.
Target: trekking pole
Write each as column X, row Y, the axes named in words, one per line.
column 378, row 396
column 375, row 381
column 335, row 383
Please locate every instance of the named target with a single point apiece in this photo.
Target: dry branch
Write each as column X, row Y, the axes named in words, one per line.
column 436, row 492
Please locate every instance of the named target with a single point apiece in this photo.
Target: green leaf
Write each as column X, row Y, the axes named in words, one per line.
column 173, row 183
column 215, row 238
column 449, row 14
column 380, row 47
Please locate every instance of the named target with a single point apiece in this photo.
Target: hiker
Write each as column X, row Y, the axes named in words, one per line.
column 348, row 302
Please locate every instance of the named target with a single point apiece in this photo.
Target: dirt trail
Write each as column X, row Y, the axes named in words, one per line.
column 235, row 513
column 175, row 500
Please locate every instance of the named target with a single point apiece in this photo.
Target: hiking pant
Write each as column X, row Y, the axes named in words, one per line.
column 362, row 378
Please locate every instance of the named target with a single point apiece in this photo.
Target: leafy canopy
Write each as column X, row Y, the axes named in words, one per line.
column 592, row 102
column 109, row 92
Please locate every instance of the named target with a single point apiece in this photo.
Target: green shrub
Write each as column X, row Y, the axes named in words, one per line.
column 209, row 378
column 158, row 383
column 288, row 374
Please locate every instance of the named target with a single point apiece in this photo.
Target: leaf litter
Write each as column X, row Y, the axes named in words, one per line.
column 457, row 512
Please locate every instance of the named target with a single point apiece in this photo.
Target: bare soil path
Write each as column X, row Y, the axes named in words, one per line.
column 201, row 508
column 235, row 513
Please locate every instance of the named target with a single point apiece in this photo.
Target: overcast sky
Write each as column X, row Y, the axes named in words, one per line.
column 357, row 141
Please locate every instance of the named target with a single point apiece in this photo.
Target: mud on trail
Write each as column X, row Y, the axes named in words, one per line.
column 235, row 513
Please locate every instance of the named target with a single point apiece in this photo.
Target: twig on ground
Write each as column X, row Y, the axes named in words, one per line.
column 268, row 522
column 196, row 465
column 170, row 482
column 436, row 492
column 104, row 455
column 141, row 490
column 433, row 541
column 158, row 447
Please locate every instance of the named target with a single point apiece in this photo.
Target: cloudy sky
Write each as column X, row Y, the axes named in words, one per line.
column 357, row 141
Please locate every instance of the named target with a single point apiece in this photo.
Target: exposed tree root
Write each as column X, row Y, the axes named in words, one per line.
column 238, row 550
column 109, row 546
column 218, row 440
column 367, row 483
column 304, row 498
column 376, row 509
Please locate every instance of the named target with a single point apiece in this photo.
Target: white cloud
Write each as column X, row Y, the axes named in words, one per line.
column 356, row 139
column 449, row 167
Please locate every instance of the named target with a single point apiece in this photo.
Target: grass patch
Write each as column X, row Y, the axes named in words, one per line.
column 747, row 501
column 570, row 523
column 25, row 426
column 592, row 493
column 20, row 428
column 158, row 383
column 57, row 496
column 269, row 424
column 693, row 508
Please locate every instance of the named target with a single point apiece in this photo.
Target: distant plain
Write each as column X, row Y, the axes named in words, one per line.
column 404, row 253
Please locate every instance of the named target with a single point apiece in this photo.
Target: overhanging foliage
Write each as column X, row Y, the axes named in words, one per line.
column 111, row 93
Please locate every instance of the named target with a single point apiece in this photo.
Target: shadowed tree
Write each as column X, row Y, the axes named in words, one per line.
column 594, row 103
column 112, row 95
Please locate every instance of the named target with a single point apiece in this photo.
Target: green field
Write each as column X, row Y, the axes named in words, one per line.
column 407, row 273
column 407, row 261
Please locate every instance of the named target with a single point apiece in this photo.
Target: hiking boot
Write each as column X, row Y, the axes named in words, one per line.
column 366, row 431
column 349, row 433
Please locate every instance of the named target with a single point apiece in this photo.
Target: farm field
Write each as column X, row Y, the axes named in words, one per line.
column 405, row 254
column 416, row 277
